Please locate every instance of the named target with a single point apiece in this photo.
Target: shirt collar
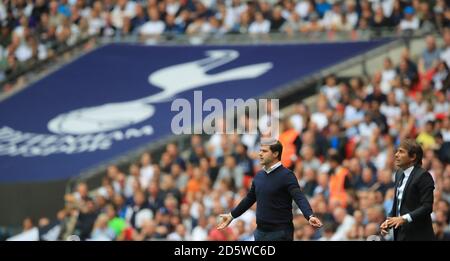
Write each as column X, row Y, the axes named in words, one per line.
column 408, row 171
column 272, row 168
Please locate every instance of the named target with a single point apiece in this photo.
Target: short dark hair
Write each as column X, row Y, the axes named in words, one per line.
column 334, row 156
column 277, row 147
column 413, row 148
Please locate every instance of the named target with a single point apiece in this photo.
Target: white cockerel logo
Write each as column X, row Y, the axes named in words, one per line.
column 172, row 80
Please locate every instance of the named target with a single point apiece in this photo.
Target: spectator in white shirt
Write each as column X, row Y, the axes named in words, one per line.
column 367, row 128
column 200, row 232
column 387, row 75
column 154, row 27
column 350, row 11
column 260, row 25
column 147, row 170
column 331, row 90
column 391, row 109
column 445, row 54
column 410, row 21
column 353, row 115
column 302, row 8
column 333, row 18
column 172, row 6
column 180, row 234
column 345, row 223
column 299, row 117
column 320, row 116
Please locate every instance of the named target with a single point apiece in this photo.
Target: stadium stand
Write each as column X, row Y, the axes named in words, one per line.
column 350, row 125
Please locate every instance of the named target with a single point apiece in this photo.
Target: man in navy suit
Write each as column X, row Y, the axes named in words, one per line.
column 273, row 188
column 413, row 201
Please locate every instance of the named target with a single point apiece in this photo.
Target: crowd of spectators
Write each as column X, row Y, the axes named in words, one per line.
column 351, row 130
column 34, row 30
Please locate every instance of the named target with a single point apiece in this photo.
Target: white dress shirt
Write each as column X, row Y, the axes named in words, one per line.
column 401, row 189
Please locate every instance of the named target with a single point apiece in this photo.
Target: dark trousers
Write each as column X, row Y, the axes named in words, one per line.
column 280, row 235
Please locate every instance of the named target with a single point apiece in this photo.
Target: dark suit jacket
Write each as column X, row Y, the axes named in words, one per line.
column 417, row 200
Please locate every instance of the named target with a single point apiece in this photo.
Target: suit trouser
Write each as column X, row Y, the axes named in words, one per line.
column 279, row 235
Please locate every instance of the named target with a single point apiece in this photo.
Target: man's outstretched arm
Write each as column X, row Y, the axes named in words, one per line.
column 302, row 202
column 245, row 204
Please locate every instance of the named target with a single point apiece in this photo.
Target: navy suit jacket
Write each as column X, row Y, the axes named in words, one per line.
column 417, row 200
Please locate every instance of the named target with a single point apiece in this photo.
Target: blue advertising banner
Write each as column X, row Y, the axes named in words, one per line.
column 118, row 98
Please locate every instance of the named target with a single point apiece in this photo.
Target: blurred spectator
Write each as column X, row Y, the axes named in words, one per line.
column 260, row 25
column 361, row 119
column 86, row 219
column 27, row 224
column 344, row 222
column 179, row 234
column 147, row 170
column 431, row 54
column 101, row 231
column 426, row 136
column 138, row 211
column 442, row 149
column 410, row 22
column 289, row 138
column 200, row 232
column 231, row 174
column 339, row 181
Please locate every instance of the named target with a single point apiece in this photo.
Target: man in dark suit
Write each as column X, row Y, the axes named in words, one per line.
column 273, row 189
column 413, row 201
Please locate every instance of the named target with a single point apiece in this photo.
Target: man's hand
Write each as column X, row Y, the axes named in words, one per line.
column 395, row 222
column 384, row 228
column 315, row 222
column 226, row 220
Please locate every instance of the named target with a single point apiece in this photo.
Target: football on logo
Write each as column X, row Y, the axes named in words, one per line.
column 100, row 118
